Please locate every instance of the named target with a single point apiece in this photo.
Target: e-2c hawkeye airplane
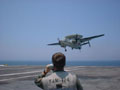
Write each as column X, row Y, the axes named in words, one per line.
column 75, row 41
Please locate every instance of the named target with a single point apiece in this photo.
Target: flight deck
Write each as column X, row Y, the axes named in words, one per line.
column 91, row 77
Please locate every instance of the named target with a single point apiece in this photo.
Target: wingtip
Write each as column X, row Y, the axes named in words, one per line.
column 49, row 44
column 102, row 35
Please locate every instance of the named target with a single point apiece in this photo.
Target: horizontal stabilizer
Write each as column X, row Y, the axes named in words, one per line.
column 85, row 43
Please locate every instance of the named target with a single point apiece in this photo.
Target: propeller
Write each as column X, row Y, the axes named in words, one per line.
column 58, row 40
column 76, row 38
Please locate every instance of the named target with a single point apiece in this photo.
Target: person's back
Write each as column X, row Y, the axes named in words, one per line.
column 59, row 79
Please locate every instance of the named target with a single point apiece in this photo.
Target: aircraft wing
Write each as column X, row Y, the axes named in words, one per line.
column 54, row 44
column 89, row 38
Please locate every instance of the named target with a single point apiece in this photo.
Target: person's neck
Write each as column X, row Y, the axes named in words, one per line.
column 58, row 69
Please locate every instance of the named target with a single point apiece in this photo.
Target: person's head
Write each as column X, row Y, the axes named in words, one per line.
column 59, row 60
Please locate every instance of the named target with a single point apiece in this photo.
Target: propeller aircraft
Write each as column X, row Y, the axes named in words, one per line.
column 75, row 41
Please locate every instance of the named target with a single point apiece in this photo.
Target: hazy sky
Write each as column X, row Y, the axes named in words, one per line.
column 27, row 26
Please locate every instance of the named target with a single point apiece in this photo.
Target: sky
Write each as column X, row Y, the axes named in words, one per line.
column 27, row 26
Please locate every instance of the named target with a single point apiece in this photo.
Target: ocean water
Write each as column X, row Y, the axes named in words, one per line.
column 68, row 63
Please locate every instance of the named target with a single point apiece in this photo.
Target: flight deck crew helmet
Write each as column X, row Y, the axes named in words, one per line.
column 59, row 60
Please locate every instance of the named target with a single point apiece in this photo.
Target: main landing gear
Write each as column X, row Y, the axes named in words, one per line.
column 65, row 50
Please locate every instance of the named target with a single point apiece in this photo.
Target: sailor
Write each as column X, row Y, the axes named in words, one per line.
column 59, row 79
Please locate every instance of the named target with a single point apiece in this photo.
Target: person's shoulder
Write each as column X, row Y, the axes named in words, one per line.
column 49, row 76
column 70, row 74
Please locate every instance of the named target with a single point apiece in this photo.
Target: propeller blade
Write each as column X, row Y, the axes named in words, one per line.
column 76, row 38
column 58, row 39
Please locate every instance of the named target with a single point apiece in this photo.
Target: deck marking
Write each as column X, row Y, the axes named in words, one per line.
column 20, row 73
column 17, row 78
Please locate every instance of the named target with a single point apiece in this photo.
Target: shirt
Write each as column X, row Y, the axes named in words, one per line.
column 60, row 80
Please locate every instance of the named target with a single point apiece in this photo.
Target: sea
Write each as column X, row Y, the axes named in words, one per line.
column 68, row 63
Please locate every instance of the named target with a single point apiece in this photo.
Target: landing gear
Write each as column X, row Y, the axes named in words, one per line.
column 79, row 48
column 65, row 50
